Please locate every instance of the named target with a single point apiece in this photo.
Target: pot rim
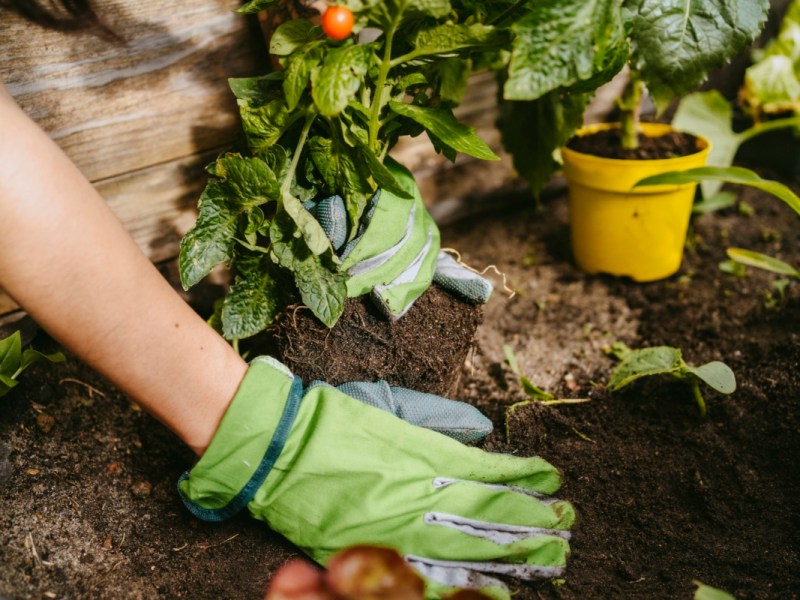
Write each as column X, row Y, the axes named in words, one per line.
column 651, row 130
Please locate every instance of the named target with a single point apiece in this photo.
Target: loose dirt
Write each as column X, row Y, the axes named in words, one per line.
column 664, row 497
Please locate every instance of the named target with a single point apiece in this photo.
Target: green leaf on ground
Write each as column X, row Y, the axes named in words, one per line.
column 752, row 258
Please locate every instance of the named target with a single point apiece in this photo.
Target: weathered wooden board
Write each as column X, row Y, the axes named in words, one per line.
column 117, row 108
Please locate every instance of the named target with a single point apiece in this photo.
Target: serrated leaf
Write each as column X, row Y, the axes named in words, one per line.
column 291, row 36
column 322, row 290
column 675, row 43
column 257, row 89
column 210, row 242
column 758, row 260
column 442, row 123
column 255, row 299
column 716, row 374
column 645, row 362
column 339, row 77
column 345, row 172
column 249, row 178
column 299, row 67
column 264, row 124
column 10, row 354
column 450, row 39
column 563, row 42
column 550, row 120
column 738, row 175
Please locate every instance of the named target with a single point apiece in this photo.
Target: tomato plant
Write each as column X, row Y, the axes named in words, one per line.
column 337, row 22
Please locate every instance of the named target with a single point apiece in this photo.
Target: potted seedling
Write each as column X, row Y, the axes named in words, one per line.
column 668, row 48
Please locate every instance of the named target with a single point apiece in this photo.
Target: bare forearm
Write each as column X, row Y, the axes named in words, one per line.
column 69, row 262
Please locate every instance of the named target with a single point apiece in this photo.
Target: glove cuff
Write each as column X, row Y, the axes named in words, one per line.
column 247, row 443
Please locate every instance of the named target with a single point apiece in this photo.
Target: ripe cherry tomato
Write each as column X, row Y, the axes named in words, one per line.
column 337, row 22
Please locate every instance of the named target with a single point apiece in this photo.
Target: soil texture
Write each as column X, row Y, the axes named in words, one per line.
column 87, row 480
column 606, row 144
column 424, row 350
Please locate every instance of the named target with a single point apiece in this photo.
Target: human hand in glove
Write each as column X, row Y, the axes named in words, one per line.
column 329, row 472
column 395, row 254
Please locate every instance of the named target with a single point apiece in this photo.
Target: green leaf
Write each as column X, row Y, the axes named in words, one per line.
column 451, row 78
column 450, row 39
column 10, row 354
column 311, row 230
column 716, row 374
column 340, row 76
column 6, row 384
column 550, row 121
column 737, row 175
column 441, row 123
column 257, row 89
column 706, row 592
column 299, row 67
column 264, row 124
column 563, row 42
column 772, row 85
column 30, row 356
column 345, row 172
column 210, row 242
column 255, row 6
column 710, row 115
column 761, row 261
column 321, row 289
column 249, row 178
column 675, row 43
column 645, row 362
column 528, row 387
column 255, row 299
column 291, row 36
column 718, row 201
column 383, row 176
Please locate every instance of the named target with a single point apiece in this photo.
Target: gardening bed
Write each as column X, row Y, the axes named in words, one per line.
column 87, row 480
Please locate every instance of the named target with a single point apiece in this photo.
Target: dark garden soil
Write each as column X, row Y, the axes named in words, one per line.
column 664, row 497
column 606, row 143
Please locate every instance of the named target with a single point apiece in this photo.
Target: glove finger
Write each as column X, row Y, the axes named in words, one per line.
column 502, row 515
column 470, row 575
column 443, row 578
column 531, row 473
column 461, row 281
column 454, row 419
column 458, row 420
column 332, row 216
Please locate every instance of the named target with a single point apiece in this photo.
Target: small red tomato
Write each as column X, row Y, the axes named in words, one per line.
column 337, row 22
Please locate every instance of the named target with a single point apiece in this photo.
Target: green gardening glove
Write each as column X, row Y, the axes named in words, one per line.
column 329, row 472
column 395, row 254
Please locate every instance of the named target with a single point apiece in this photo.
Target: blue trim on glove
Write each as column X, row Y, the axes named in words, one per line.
column 271, row 455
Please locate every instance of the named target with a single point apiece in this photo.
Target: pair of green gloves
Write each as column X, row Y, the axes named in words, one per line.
column 366, row 463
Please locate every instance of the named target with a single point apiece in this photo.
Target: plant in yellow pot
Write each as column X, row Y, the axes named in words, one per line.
column 668, row 47
column 618, row 229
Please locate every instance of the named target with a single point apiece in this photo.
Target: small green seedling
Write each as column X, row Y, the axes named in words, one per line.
column 666, row 360
column 13, row 360
column 706, row 592
column 758, row 260
column 532, row 391
column 536, row 394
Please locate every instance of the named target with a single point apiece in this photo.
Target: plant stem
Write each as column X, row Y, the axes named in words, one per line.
column 287, row 182
column 630, row 106
column 510, row 10
column 698, row 396
column 767, row 126
column 377, row 101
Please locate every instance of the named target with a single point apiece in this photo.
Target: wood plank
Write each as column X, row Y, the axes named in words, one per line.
column 119, row 108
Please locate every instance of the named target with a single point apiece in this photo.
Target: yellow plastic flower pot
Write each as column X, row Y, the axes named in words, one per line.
column 616, row 229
